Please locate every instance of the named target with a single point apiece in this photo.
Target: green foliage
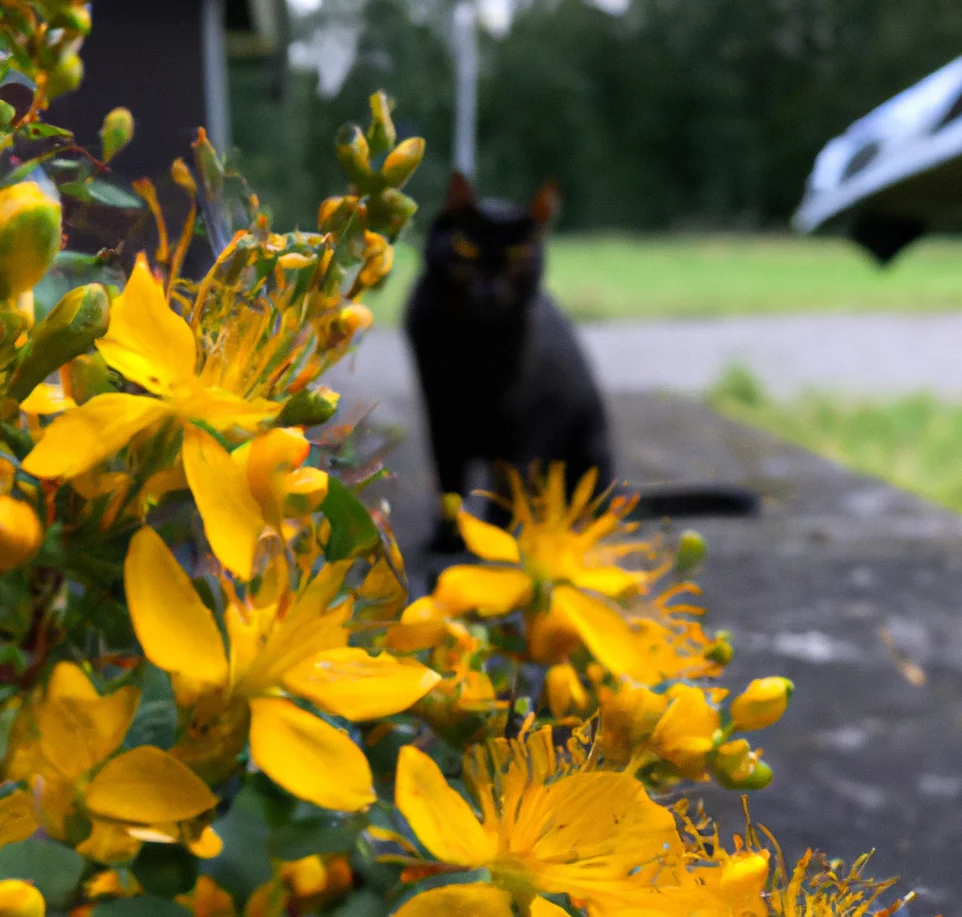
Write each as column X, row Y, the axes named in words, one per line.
column 598, row 277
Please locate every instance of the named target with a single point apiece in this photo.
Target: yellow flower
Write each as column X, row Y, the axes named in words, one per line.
column 67, row 745
column 640, row 726
column 559, row 569
column 298, row 646
column 154, row 348
column 20, row 899
column 548, row 825
column 762, row 703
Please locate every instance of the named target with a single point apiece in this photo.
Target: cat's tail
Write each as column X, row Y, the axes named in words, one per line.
column 670, row 501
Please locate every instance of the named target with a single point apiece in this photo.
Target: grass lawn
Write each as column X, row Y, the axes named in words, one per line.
column 914, row 442
column 605, row 276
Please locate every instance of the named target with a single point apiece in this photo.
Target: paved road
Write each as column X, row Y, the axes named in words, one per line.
column 858, row 354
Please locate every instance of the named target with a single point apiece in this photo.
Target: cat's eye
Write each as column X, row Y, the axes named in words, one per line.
column 519, row 252
column 464, row 247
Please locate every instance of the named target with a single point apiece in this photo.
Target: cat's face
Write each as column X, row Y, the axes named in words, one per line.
column 489, row 253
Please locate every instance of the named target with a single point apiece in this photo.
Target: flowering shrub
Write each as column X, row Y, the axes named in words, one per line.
column 216, row 698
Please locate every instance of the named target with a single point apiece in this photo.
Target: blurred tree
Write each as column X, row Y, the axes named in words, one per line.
column 685, row 115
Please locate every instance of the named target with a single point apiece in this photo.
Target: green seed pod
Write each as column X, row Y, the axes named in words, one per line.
column 308, row 408
column 29, row 236
column 402, row 162
column 116, row 133
column 69, row 330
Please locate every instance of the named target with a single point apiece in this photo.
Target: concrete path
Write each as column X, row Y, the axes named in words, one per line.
column 872, row 354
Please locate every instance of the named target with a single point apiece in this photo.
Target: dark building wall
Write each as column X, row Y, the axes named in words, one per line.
column 146, row 55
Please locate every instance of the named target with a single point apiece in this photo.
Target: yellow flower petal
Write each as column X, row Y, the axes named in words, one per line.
column 82, row 437
column 77, row 733
column 232, row 519
column 487, row 541
column 610, row 581
column 46, row 399
column 20, row 899
column 610, row 828
column 17, row 817
column 309, row 757
column 542, row 907
column 175, row 628
column 225, row 410
column 349, row 682
column 442, row 819
column 109, row 842
column 208, row 845
column 471, row 899
column 322, row 590
column 146, row 340
column 486, row 590
column 145, row 786
column 298, row 638
column 606, row 634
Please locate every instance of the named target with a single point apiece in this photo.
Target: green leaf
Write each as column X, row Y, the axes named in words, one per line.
column 320, row 833
column 156, row 719
column 55, row 870
column 38, row 131
column 16, row 605
column 165, row 869
column 244, row 863
column 99, row 191
column 141, row 906
column 353, row 532
column 364, row 903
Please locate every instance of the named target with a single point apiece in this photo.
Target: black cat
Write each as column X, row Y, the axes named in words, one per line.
column 503, row 377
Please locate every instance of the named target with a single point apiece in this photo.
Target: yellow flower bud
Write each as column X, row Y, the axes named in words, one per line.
column 20, row 899
column 117, row 131
column 68, row 330
column 29, row 236
column 745, row 873
column 401, row 162
column 7, row 113
column 353, row 153
column 690, row 553
column 737, row 766
column 21, row 534
column 66, row 76
column 762, row 703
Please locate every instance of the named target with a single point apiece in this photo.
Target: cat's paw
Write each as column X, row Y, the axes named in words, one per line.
column 446, row 539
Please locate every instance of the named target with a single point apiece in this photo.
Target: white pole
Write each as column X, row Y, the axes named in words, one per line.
column 466, row 89
column 215, row 73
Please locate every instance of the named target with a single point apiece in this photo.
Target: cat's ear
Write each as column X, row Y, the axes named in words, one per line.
column 460, row 193
column 546, row 203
